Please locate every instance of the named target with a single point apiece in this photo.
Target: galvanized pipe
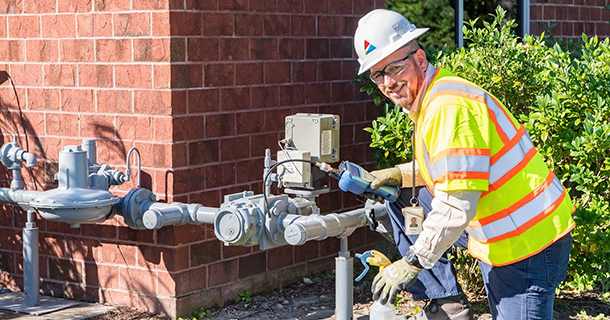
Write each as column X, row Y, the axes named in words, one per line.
column 22, row 197
column 30, row 261
column 300, row 229
column 344, row 285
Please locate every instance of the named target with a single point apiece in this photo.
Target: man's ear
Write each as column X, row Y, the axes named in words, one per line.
column 421, row 59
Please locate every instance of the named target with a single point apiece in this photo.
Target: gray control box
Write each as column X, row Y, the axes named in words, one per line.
column 316, row 133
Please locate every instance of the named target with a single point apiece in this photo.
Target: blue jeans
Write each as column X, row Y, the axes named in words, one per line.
column 522, row 290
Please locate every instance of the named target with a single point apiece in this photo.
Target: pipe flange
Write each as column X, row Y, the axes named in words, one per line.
column 133, row 203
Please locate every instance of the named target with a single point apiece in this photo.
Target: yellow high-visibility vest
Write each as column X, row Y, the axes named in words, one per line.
column 467, row 140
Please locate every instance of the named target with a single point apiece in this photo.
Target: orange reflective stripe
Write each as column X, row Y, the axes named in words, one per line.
column 508, row 146
column 462, row 176
column 511, row 173
column 528, row 224
column 503, row 213
column 459, row 152
column 475, row 97
column 499, row 130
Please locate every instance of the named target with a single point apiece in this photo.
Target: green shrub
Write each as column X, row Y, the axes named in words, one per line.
column 562, row 97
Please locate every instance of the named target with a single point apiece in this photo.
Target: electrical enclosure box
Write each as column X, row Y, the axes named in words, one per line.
column 296, row 174
column 316, row 133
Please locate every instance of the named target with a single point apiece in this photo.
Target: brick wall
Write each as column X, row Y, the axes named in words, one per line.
column 201, row 88
column 573, row 18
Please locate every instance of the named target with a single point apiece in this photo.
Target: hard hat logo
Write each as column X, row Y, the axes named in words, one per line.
column 388, row 30
column 368, row 47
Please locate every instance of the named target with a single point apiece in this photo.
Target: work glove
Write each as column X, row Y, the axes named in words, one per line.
column 386, row 177
column 396, row 277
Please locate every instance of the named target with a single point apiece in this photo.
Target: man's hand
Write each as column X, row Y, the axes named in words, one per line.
column 386, row 177
column 396, row 277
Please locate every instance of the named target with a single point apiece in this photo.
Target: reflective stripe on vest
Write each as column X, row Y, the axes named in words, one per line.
column 520, row 194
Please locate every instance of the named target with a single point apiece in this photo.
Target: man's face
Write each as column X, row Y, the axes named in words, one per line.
column 401, row 78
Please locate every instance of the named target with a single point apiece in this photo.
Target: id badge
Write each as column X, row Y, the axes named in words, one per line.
column 414, row 217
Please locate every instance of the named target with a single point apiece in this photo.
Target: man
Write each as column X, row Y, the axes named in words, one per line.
column 485, row 175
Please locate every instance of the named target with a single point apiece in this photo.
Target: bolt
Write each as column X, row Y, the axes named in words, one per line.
column 231, row 232
column 153, row 197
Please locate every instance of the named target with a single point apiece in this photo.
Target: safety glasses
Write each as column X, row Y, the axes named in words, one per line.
column 392, row 70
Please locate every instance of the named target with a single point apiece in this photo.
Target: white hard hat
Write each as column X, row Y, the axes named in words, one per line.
column 381, row 32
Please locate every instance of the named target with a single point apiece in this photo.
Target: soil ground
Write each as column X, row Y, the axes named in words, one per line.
column 314, row 298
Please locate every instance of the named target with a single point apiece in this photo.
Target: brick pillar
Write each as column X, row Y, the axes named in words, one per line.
column 573, row 18
column 201, row 88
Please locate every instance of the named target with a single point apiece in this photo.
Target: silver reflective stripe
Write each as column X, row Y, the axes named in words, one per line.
column 502, row 119
column 510, row 159
column 520, row 216
column 459, row 164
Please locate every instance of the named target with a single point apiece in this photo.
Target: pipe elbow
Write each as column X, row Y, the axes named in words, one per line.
column 30, row 159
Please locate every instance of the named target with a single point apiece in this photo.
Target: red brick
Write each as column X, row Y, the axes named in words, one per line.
column 26, row 74
column 56, row 75
column 185, row 23
column 111, row 5
column 252, row 265
column 161, row 24
column 218, row 24
column 291, row 6
column 139, row 280
column 203, row 152
column 100, row 275
column 248, row 25
column 605, row 15
column 219, row 175
column 317, row 48
column 147, row 236
column 186, row 76
column 76, row 50
column 276, row 25
column 58, row 26
column 348, row 26
column 329, row 26
column 12, row 6
column 178, row 235
column 114, row 101
column 263, row 49
column 201, row 5
column 90, row 25
column 132, row 24
column 155, row 102
column 162, row 76
column 263, row 6
column 75, row 6
column 97, row 126
column 113, row 50
column 218, row 75
column 116, row 297
column 341, row 48
column 235, row 148
column 80, row 249
column 105, row 230
column 219, row 125
column 200, row 49
column 12, row 50
column 151, row 49
column 43, row 99
column 163, row 130
column 151, row 5
column 223, row 272
column 133, row 76
column 233, row 49
column 318, row 93
column 3, row 31
column 329, row 70
column 304, row 71
column 274, row 119
column 292, row 49
column 292, row 95
column 188, row 128
column 203, row 100
column 162, row 258
column 98, row 75
column 548, row 13
column 234, row 98
column 167, row 283
column 23, row 26
column 39, row 6
column 205, row 252
column 280, row 257
column 316, row 6
column 264, row 97
column 303, row 26
column 277, row 72
column 66, row 270
column 77, row 100
column 341, row 7
column 233, row 5
column 361, row 7
column 249, row 74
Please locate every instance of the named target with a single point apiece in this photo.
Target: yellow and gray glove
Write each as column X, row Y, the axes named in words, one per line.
column 396, row 277
column 384, row 177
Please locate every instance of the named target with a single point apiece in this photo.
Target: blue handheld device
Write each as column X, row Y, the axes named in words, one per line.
column 355, row 179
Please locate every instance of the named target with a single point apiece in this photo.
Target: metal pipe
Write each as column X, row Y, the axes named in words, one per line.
column 30, row 261
column 22, row 197
column 344, row 286
column 459, row 22
column 300, row 229
column 205, row 214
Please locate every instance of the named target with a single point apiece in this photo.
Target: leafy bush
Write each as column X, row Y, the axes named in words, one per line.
column 562, row 97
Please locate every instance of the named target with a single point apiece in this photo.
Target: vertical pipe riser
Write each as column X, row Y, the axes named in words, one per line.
column 344, row 288
column 30, row 266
